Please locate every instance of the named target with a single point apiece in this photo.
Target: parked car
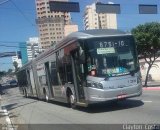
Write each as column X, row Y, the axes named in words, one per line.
column 13, row 83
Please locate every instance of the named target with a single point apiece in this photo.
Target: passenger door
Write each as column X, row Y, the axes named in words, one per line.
column 29, row 86
column 32, row 82
column 78, row 75
column 48, row 78
column 55, row 78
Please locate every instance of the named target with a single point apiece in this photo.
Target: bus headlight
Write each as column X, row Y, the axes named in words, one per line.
column 95, row 85
column 100, row 86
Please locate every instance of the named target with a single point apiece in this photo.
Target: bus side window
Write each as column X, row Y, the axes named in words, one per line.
column 69, row 73
column 68, row 66
column 54, row 77
column 61, row 73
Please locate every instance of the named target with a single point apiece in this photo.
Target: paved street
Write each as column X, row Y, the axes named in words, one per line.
column 141, row 110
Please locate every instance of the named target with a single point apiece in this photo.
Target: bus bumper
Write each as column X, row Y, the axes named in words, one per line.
column 94, row 95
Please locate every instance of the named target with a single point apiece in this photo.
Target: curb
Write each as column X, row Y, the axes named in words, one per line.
column 7, row 123
column 151, row 88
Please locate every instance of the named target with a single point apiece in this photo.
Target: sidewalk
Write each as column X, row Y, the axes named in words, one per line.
column 2, row 114
column 5, row 122
column 152, row 85
column 2, row 117
column 4, row 125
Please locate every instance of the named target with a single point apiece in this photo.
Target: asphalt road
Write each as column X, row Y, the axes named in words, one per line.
column 141, row 110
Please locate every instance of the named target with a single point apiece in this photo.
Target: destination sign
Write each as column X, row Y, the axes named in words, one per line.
column 115, row 43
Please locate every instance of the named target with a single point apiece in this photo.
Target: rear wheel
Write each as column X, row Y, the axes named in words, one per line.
column 46, row 98
column 25, row 93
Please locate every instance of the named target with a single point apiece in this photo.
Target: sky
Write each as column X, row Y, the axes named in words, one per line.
column 17, row 21
column 16, row 26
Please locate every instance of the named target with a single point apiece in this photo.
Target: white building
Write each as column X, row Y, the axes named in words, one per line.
column 15, row 59
column 93, row 20
column 33, row 47
column 154, row 74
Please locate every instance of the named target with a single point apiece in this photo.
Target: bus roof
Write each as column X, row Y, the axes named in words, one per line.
column 93, row 33
column 86, row 34
column 96, row 33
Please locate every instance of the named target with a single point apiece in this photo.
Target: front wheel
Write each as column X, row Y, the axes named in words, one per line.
column 72, row 101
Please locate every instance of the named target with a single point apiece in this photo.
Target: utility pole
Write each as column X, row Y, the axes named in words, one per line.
column 3, row 2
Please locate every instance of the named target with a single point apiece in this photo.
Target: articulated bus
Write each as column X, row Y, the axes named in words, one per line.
column 86, row 67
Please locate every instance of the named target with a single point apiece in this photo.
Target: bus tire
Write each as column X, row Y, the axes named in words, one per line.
column 25, row 94
column 46, row 96
column 72, row 101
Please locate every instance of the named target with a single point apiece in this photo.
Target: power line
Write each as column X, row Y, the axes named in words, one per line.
column 5, row 63
column 11, row 46
column 21, row 12
column 12, row 42
column 4, row 1
column 27, row 11
column 15, row 46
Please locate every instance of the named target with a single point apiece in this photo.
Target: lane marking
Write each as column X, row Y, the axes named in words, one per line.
column 146, row 101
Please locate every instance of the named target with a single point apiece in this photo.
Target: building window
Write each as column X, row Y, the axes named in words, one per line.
column 148, row 9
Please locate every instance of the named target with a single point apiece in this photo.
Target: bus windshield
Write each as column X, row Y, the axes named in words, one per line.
column 111, row 56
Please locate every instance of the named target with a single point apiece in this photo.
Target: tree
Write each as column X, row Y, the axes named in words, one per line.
column 9, row 71
column 2, row 73
column 15, row 64
column 147, row 37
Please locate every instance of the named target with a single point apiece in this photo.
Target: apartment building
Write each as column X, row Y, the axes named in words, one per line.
column 93, row 20
column 68, row 29
column 50, row 24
